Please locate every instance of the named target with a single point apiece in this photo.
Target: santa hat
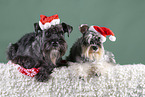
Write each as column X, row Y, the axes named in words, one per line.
column 46, row 22
column 103, row 32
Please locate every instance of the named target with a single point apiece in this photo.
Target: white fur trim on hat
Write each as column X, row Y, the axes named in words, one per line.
column 41, row 25
column 103, row 39
column 48, row 25
column 55, row 21
column 92, row 29
column 45, row 26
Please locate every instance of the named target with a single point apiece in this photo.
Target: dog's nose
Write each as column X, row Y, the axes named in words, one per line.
column 95, row 48
column 54, row 43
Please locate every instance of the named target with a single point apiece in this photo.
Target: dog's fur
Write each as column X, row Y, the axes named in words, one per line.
column 42, row 49
column 87, row 48
column 89, row 55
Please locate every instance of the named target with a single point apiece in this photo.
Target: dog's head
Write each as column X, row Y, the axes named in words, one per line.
column 54, row 45
column 92, row 47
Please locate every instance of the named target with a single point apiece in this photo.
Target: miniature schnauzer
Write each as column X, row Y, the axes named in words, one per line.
column 42, row 49
column 87, row 56
column 88, row 48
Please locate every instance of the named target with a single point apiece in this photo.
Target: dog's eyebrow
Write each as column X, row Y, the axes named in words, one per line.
column 59, row 30
column 54, row 29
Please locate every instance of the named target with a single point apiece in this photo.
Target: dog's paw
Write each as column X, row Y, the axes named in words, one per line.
column 44, row 74
column 42, row 77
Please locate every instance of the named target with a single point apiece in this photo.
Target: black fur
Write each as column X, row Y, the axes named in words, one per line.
column 42, row 49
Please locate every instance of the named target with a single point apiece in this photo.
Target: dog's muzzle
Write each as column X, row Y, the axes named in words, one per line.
column 93, row 44
column 94, row 48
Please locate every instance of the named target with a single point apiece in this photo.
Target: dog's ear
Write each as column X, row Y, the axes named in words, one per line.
column 83, row 28
column 37, row 28
column 67, row 28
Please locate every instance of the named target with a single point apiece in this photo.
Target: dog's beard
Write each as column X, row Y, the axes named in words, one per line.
column 54, row 56
column 54, row 53
column 93, row 55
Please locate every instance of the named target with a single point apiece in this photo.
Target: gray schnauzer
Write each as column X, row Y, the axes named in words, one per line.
column 87, row 56
column 88, row 48
column 42, row 49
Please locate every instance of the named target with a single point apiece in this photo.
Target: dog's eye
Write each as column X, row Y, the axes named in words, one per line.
column 98, row 39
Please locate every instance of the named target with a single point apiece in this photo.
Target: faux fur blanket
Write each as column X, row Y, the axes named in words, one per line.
column 118, row 81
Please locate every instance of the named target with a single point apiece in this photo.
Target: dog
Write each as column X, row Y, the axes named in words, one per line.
column 87, row 55
column 88, row 48
column 43, row 49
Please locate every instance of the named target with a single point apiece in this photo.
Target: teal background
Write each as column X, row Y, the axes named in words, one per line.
column 126, row 18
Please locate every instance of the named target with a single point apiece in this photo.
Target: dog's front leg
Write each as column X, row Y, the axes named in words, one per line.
column 26, row 62
column 44, row 73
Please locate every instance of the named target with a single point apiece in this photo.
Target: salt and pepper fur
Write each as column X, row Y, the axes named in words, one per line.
column 87, row 56
column 86, row 48
column 43, row 49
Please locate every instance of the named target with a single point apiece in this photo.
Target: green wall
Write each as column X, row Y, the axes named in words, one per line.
column 126, row 18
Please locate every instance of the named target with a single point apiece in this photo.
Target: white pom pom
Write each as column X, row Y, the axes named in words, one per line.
column 47, row 25
column 103, row 39
column 112, row 38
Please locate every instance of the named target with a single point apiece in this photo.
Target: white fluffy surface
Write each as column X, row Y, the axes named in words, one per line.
column 118, row 81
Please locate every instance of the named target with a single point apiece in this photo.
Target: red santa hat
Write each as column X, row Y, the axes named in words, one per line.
column 46, row 22
column 103, row 32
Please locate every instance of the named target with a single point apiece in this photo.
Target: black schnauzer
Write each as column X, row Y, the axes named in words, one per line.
column 42, row 49
column 88, row 48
